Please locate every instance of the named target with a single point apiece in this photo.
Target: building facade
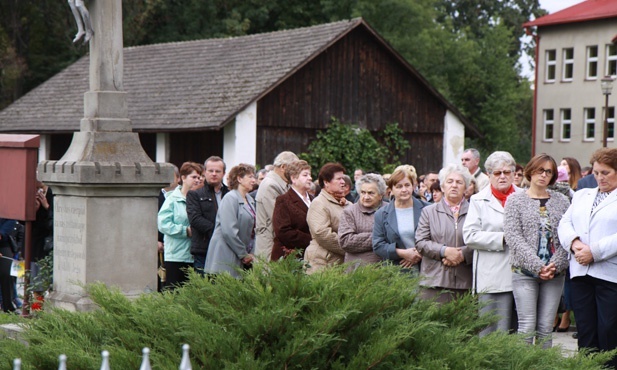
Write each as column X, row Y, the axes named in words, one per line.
column 574, row 51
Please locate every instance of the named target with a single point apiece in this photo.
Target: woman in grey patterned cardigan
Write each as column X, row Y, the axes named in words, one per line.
column 538, row 261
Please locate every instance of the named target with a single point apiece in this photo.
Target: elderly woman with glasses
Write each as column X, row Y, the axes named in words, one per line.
column 483, row 232
column 538, row 261
column 446, row 260
column 356, row 225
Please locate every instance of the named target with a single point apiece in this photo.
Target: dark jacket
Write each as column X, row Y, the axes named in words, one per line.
column 201, row 208
column 290, row 227
column 588, row 181
column 6, row 228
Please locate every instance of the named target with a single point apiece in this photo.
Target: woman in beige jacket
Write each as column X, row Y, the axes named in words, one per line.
column 323, row 219
column 446, row 260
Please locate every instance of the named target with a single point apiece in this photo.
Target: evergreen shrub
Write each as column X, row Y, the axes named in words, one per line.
column 277, row 317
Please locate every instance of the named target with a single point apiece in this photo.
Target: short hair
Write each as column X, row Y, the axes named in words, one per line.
column 361, row 170
column 473, row 151
column 284, row 158
column 295, row 168
column 327, row 171
column 263, row 170
column 499, row 159
column 518, row 167
column 216, row 158
column 455, row 168
column 605, row 156
column 411, row 169
column 347, row 180
column 372, row 178
column 240, row 170
column 436, row 186
column 187, row 168
column 536, row 163
column 397, row 176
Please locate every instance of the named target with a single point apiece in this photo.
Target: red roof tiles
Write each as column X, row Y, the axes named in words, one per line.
column 586, row 11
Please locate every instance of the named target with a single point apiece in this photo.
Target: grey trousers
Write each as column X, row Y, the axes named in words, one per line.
column 537, row 301
column 500, row 304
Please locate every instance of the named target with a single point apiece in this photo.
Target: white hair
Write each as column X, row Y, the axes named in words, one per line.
column 284, row 158
column 455, row 168
column 499, row 159
column 372, row 178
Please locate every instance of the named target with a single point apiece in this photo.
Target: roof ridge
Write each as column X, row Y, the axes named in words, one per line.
column 353, row 21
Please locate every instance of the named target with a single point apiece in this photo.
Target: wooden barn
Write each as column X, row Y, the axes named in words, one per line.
column 248, row 98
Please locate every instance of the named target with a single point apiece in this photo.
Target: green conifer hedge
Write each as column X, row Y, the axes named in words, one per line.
column 277, row 317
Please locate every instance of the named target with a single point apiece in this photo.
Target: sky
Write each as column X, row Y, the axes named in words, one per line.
column 556, row 5
column 551, row 6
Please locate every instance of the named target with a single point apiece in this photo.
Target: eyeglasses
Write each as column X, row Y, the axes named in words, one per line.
column 547, row 171
column 499, row 173
column 518, row 174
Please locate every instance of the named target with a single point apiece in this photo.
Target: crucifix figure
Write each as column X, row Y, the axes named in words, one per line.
column 82, row 18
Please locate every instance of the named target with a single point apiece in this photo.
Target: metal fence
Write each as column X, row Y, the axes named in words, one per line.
column 185, row 363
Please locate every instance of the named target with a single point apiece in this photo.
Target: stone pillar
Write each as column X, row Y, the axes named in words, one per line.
column 106, row 187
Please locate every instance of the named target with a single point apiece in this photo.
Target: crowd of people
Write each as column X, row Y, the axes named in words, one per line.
column 513, row 235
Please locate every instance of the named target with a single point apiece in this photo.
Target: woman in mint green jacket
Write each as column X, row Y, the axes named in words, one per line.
column 173, row 223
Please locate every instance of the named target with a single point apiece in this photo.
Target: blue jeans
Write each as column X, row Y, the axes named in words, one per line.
column 199, row 262
column 537, row 302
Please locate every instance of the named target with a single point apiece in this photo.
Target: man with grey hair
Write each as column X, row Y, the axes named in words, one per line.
column 270, row 188
column 471, row 160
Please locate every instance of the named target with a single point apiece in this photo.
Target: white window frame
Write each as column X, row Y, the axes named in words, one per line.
column 589, row 121
column 592, row 60
column 566, row 121
column 611, row 58
column 550, row 63
column 567, row 62
column 548, row 122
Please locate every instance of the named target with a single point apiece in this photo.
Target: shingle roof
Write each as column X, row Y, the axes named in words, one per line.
column 586, row 11
column 193, row 85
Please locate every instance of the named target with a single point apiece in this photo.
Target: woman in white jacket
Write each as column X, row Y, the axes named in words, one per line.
column 588, row 233
column 483, row 232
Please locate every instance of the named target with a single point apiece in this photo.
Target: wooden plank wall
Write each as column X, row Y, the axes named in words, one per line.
column 359, row 81
column 195, row 146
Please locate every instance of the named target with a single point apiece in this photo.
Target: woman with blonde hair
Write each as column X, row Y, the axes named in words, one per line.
column 394, row 232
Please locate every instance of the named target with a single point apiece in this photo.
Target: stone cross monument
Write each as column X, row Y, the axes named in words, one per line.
column 106, row 186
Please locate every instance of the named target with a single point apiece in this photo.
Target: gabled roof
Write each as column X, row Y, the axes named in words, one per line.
column 193, row 85
column 586, row 11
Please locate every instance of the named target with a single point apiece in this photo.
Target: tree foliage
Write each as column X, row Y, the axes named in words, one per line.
column 467, row 49
column 278, row 317
column 355, row 147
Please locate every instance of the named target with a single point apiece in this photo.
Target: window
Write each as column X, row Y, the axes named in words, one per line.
column 548, row 125
column 551, row 65
column 611, row 60
column 592, row 62
column 566, row 124
column 590, row 124
column 568, row 64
